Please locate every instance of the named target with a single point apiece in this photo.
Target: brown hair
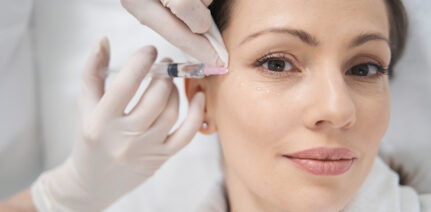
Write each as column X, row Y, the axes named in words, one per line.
column 398, row 21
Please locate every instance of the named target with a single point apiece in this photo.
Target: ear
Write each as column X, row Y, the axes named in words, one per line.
column 192, row 86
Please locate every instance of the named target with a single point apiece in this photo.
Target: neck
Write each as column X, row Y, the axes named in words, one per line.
column 240, row 198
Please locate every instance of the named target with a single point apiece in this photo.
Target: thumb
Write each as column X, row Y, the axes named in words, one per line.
column 184, row 134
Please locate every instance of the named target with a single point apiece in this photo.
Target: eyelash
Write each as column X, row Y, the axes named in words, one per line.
column 277, row 56
column 381, row 71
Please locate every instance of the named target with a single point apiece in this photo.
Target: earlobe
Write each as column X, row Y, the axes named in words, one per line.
column 207, row 127
column 192, row 86
column 204, row 128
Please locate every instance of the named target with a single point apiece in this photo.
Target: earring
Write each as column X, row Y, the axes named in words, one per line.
column 205, row 125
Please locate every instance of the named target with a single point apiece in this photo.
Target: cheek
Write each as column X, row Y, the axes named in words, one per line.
column 373, row 115
column 252, row 122
column 253, row 112
column 249, row 124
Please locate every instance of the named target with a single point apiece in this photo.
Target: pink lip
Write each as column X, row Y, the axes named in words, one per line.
column 323, row 161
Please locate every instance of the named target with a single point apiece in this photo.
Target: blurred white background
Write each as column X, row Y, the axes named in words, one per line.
column 44, row 44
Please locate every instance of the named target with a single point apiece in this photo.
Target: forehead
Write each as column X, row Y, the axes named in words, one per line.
column 325, row 19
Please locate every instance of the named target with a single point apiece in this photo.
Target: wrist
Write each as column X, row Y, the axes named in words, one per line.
column 60, row 189
column 19, row 203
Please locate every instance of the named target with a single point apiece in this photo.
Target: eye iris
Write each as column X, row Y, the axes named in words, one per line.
column 276, row 65
column 361, row 70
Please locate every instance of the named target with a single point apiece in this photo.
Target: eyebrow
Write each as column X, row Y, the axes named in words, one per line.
column 311, row 40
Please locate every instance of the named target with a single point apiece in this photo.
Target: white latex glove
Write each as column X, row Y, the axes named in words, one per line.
column 179, row 22
column 115, row 152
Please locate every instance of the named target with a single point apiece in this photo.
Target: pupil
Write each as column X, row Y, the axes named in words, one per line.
column 276, row 65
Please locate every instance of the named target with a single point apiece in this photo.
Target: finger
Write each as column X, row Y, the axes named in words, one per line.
column 169, row 116
column 136, row 113
column 177, row 33
column 184, row 134
column 193, row 13
column 126, row 83
column 92, row 76
column 166, row 60
column 152, row 103
column 207, row 2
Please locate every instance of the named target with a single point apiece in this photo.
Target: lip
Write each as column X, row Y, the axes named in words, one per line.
column 323, row 161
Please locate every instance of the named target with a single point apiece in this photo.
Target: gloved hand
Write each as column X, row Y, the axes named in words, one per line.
column 179, row 22
column 115, row 152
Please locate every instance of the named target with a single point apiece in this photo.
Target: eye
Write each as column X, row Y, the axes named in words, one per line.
column 277, row 65
column 366, row 69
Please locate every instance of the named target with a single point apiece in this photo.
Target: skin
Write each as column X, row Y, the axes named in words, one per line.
column 20, row 202
column 259, row 115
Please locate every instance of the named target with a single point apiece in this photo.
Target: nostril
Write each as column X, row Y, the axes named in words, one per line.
column 319, row 122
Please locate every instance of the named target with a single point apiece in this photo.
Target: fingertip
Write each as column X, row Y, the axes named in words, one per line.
column 98, row 61
column 104, row 43
column 207, row 2
column 105, row 53
column 142, row 60
column 149, row 52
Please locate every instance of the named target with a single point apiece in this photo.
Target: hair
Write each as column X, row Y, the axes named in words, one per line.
column 398, row 21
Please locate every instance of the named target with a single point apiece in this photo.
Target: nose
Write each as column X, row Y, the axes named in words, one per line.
column 330, row 102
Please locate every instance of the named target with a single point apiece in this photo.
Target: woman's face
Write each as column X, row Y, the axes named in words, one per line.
column 303, row 74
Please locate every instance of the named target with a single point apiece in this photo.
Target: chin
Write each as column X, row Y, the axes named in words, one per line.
column 317, row 199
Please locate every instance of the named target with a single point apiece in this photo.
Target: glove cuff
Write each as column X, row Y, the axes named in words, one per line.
column 59, row 190
column 42, row 197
